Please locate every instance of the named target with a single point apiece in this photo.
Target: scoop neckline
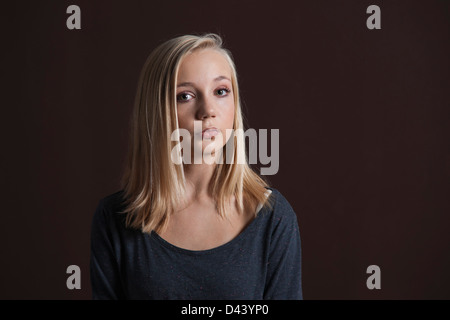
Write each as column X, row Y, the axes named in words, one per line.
column 154, row 235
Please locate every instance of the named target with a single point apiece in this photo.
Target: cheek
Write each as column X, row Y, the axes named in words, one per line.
column 230, row 116
column 184, row 121
column 228, row 121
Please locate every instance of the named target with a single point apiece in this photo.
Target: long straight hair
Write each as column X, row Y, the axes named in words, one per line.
column 152, row 183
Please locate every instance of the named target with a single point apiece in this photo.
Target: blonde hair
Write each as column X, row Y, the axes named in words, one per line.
column 152, row 183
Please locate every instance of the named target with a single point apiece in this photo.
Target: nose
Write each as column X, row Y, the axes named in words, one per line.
column 206, row 109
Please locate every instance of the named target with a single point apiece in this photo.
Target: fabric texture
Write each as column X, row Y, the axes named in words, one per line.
column 262, row 262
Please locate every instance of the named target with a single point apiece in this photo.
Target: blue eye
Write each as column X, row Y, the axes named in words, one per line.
column 223, row 92
column 184, row 97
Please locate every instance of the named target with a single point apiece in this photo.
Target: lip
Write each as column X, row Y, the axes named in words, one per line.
column 210, row 132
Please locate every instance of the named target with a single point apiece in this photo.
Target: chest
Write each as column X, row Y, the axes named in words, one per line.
column 200, row 227
column 160, row 271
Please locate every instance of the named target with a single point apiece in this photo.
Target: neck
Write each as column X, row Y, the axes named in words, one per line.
column 198, row 180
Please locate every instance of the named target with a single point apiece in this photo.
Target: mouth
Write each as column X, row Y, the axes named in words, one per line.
column 208, row 133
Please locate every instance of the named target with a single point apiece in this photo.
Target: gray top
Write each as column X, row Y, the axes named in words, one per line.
column 262, row 262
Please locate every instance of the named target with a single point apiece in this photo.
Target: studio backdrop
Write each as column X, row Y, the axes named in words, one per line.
column 358, row 91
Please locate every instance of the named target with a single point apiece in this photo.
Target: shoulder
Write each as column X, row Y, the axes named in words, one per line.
column 282, row 217
column 280, row 205
column 110, row 207
column 112, row 202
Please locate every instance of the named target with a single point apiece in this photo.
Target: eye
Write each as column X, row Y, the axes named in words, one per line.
column 223, row 92
column 184, row 97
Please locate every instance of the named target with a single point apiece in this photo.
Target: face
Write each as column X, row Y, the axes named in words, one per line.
column 204, row 94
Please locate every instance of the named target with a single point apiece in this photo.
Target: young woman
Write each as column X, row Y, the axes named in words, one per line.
column 181, row 228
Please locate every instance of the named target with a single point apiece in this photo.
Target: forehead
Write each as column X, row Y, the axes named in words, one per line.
column 204, row 64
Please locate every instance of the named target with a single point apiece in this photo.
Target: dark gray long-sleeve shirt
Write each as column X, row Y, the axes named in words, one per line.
column 262, row 262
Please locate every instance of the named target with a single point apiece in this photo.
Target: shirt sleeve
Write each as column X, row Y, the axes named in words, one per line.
column 104, row 268
column 283, row 280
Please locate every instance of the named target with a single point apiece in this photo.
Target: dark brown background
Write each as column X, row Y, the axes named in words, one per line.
column 363, row 118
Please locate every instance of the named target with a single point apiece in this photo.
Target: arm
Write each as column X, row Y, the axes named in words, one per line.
column 104, row 269
column 283, row 280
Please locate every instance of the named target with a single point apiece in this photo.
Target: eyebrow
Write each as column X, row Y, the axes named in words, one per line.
column 190, row 84
column 221, row 78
